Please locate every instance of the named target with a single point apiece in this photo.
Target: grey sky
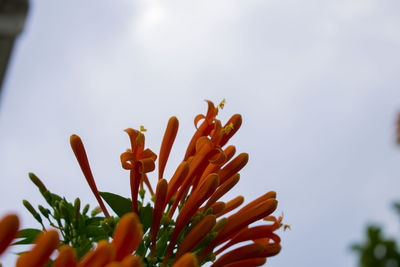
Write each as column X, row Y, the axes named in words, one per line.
column 317, row 84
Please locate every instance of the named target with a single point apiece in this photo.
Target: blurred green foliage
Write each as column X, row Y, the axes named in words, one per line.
column 378, row 250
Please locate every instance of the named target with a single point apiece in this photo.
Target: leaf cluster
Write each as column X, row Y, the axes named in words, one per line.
column 82, row 231
column 378, row 250
column 78, row 229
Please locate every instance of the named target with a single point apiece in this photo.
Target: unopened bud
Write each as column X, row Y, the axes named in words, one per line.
column 44, row 211
column 37, row 182
column 85, row 209
column 96, row 211
column 29, row 207
column 77, row 207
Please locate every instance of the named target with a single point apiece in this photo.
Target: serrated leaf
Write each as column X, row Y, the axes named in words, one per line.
column 120, row 205
column 146, row 216
column 28, row 235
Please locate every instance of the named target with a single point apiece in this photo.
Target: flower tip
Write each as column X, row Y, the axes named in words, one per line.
column 74, row 139
column 129, row 130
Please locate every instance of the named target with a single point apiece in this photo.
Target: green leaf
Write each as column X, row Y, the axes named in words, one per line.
column 146, row 216
column 28, row 235
column 120, row 205
column 95, row 231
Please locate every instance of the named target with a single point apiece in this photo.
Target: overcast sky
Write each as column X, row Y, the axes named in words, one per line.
column 317, row 83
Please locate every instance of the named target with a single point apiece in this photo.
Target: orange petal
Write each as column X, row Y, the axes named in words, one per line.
column 46, row 243
column 66, row 257
column 137, row 144
column 147, row 165
column 187, row 260
column 126, row 160
column 103, row 254
column 159, row 205
column 114, row 264
column 166, row 145
column 80, row 154
column 233, row 167
column 241, row 253
column 8, row 230
column 196, row 235
column 147, row 153
column 127, row 235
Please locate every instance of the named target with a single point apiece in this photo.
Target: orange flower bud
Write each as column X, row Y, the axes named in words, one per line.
column 127, row 235
column 8, row 230
column 166, row 145
column 46, row 243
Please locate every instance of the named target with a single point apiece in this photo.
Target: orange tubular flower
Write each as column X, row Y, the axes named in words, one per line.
column 161, row 193
column 139, row 161
column 168, row 141
column 127, row 236
column 8, row 230
column 46, row 243
column 80, row 154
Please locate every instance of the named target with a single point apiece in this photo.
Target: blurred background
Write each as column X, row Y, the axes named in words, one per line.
column 316, row 82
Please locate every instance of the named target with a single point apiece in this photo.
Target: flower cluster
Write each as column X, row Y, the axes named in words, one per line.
column 185, row 222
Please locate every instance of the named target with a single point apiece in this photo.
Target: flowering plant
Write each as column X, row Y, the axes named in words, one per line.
column 184, row 223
